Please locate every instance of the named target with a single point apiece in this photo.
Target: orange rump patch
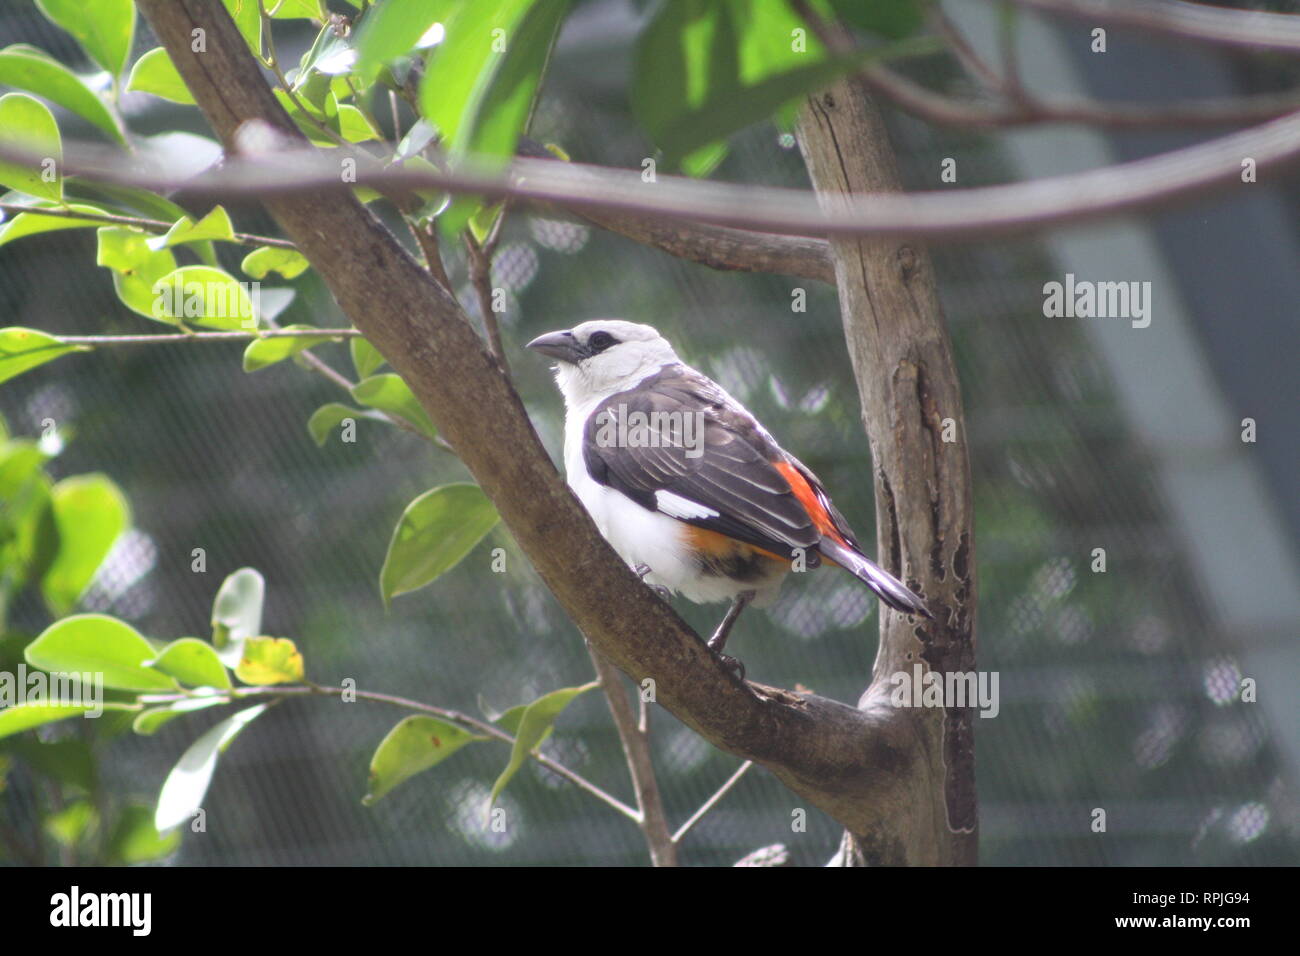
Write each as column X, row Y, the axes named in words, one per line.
column 821, row 518
column 718, row 545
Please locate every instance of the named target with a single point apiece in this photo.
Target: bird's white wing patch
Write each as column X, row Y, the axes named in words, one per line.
column 676, row 506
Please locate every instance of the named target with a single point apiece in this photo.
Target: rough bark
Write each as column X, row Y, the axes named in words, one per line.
column 907, row 382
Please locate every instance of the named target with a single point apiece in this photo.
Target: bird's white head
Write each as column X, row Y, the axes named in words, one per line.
column 604, row 356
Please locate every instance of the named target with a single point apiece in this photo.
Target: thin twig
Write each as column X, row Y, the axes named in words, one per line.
column 636, row 750
column 454, row 716
column 710, row 803
column 1027, row 110
column 961, row 48
column 102, row 340
column 272, row 62
column 150, row 225
column 480, row 277
column 426, row 237
column 1191, row 21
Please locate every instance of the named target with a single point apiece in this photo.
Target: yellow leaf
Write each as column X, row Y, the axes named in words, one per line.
column 270, row 660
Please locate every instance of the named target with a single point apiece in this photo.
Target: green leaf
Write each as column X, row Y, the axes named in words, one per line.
column 263, row 352
column 481, row 223
column 893, row 20
column 90, row 512
column 436, row 531
column 295, row 9
column 22, row 349
column 509, row 721
column 388, row 393
column 328, row 417
column 148, row 722
column 135, row 839
column 478, row 94
column 248, row 19
column 270, row 660
column 192, row 662
column 311, row 119
column 365, row 357
column 413, row 746
column 28, row 538
column 100, row 645
column 704, row 70
column 136, row 268
column 20, row 717
column 69, row 825
column 30, row 224
column 31, row 69
column 154, row 73
column 393, row 28
column 354, row 126
column 215, row 225
column 535, row 725
column 204, row 296
column 183, row 791
column 705, row 160
column 26, row 124
column 290, row 263
column 104, row 28
column 70, row 761
column 237, row 614
column 330, row 55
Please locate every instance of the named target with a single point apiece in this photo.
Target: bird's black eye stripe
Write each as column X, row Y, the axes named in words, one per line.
column 600, row 341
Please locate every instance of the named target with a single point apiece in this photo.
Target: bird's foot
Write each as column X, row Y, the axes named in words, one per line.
column 733, row 664
column 641, row 571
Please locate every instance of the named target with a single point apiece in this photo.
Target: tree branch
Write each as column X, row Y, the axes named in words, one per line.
column 1190, row 21
column 166, row 337
column 1026, row 110
column 636, row 750
column 908, row 384
column 977, row 213
column 712, row 802
column 149, row 225
column 827, row 752
column 452, row 716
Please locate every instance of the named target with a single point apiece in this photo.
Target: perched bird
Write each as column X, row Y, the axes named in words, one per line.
column 684, row 482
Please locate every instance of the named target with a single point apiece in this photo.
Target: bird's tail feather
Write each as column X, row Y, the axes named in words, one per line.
column 890, row 590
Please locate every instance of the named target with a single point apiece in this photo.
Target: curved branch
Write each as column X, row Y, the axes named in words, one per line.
column 958, row 214
column 826, row 751
column 1025, row 110
column 1191, row 21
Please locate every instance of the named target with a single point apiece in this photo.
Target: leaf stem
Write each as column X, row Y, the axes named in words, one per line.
column 453, row 716
column 152, row 225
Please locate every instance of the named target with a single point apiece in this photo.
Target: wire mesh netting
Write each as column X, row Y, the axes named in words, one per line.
column 1119, row 689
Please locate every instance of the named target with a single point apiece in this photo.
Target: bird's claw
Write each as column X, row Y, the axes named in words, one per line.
column 641, row 571
column 732, row 664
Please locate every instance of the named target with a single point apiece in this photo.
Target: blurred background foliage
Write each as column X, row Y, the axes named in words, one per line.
column 1119, row 690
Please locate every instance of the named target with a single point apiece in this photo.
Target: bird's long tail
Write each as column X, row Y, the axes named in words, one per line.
column 890, row 590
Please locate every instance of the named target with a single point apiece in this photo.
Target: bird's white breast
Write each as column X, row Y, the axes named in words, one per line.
column 639, row 535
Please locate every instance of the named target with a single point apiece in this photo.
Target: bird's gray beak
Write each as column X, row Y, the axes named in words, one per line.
column 558, row 345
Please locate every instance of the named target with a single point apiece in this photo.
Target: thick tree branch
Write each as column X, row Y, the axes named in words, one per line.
column 826, row 751
column 908, row 384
